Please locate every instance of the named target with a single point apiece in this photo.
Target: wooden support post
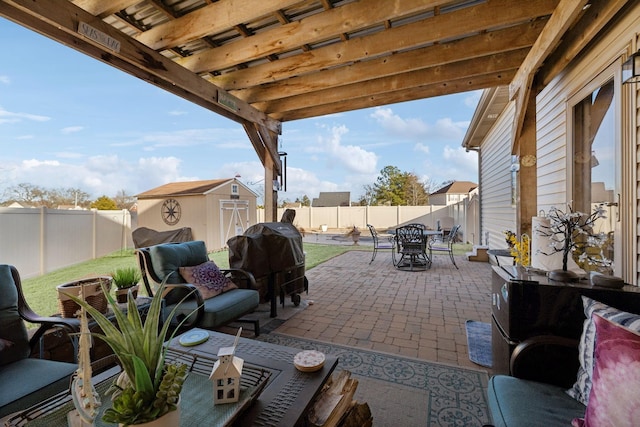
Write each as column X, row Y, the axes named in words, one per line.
column 527, row 202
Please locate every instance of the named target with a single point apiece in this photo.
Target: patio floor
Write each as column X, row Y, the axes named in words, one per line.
column 375, row 306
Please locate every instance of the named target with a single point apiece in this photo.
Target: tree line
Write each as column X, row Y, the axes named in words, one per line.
column 393, row 187
column 37, row 196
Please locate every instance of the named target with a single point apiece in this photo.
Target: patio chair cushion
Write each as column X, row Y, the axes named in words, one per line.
column 208, row 278
column 167, row 259
column 29, row 381
column 223, row 308
column 516, row 402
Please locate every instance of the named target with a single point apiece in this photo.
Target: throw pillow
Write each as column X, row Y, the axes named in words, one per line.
column 616, row 376
column 582, row 387
column 208, row 278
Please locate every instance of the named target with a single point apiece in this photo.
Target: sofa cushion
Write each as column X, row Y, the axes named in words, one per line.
column 167, row 258
column 29, row 381
column 582, row 387
column 223, row 308
column 616, row 378
column 208, row 278
column 516, row 402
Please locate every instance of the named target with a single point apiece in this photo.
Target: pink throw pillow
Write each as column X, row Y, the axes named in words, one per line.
column 614, row 400
column 208, row 278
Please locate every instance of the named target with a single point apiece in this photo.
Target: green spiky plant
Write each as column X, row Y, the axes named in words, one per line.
column 126, row 277
column 147, row 388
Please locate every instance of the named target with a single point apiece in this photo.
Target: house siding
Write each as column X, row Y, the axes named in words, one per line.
column 498, row 214
column 554, row 132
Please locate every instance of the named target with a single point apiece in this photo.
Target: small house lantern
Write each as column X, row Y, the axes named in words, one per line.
column 226, row 374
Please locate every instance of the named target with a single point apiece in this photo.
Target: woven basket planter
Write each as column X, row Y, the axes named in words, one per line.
column 92, row 294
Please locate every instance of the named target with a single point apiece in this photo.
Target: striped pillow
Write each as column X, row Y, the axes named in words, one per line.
column 582, row 387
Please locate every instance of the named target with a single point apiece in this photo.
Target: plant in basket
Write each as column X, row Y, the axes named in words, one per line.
column 126, row 280
column 148, row 388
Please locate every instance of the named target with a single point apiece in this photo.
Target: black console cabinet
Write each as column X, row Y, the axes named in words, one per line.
column 525, row 305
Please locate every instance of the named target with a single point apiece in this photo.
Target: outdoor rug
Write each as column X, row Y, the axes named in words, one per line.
column 479, row 342
column 403, row 391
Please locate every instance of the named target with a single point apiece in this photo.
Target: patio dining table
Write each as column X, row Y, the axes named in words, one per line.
column 414, row 256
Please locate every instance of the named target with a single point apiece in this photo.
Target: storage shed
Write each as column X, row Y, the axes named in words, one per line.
column 215, row 210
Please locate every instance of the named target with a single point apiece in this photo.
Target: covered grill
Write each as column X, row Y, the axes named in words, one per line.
column 272, row 252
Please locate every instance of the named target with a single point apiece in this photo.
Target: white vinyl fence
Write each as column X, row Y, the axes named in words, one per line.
column 41, row 240
column 38, row 241
column 465, row 213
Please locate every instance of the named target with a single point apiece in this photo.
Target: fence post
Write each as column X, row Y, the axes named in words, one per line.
column 43, row 224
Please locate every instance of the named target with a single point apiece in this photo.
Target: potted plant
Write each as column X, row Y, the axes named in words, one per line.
column 126, row 279
column 148, row 389
column 355, row 234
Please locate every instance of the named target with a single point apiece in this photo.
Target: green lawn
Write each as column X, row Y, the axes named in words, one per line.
column 41, row 294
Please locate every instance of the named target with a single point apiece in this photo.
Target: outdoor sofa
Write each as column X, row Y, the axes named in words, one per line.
column 554, row 378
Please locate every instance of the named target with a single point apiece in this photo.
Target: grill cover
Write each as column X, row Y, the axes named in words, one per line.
column 266, row 248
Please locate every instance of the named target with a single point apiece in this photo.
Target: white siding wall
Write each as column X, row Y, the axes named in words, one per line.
column 553, row 131
column 498, row 214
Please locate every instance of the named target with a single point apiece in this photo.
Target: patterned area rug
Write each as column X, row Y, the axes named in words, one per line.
column 405, row 391
column 479, row 342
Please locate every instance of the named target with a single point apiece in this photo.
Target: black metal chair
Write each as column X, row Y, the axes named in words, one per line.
column 446, row 245
column 411, row 246
column 25, row 380
column 387, row 243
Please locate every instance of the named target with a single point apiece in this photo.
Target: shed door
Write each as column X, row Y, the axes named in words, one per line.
column 234, row 219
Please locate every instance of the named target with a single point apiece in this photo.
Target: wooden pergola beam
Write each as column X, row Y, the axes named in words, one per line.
column 315, row 28
column 61, row 22
column 497, row 13
column 564, row 15
column 476, row 48
column 595, row 18
column 440, row 75
column 501, row 78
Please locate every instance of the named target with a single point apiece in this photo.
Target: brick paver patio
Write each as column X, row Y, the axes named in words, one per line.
column 375, row 306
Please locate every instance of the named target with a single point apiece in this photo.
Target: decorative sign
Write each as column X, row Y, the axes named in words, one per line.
column 99, row 37
column 227, row 100
column 171, row 211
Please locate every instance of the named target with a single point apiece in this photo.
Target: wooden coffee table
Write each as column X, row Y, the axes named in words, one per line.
column 289, row 393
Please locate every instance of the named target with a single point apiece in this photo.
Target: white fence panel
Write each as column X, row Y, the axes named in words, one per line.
column 38, row 241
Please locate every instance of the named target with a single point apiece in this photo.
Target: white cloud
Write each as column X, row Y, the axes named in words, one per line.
column 5, row 79
column 420, row 147
column 416, row 129
column 233, row 138
column 396, row 125
column 71, row 129
column 472, row 100
column 9, row 117
column 457, row 164
column 355, row 159
column 98, row 175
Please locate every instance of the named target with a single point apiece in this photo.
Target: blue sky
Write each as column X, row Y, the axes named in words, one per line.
column 67, row 120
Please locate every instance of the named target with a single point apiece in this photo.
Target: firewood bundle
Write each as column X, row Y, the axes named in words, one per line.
column 335, row 407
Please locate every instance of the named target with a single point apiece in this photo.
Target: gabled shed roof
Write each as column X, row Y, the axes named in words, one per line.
column 457, row 187
column 186, row 188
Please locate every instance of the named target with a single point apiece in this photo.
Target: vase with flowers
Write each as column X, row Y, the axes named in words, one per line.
column 519, row 248
column 573, row 231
